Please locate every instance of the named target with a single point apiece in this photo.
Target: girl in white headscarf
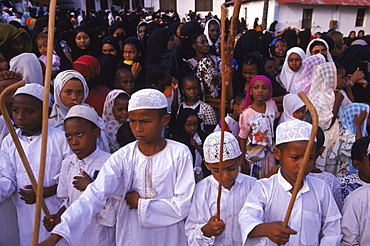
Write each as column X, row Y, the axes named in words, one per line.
column 214, row 42
column 294, row 108
column 292, row 67
column 319, row 45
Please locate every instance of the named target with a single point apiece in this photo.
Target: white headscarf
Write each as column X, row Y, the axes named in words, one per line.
column 29, row 66
column 291, row 103
column 288, row 76
column 206, row 33
column 59, row 111
column 328, row 55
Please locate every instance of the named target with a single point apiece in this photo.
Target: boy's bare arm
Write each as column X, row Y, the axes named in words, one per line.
column 275, row 231
column 29, row 196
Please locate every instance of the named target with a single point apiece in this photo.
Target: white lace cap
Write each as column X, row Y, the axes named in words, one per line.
column 34, row 90
column 147, row 99
column 85, row 112
column 211, row 147
column 295, row 130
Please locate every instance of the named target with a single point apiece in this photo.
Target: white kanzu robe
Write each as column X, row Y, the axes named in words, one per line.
column 315, row 214
column 204, row 206
column 14, row 176
column 165, row 181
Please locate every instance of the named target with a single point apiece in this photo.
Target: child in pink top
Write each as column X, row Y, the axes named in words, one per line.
column 257, row 127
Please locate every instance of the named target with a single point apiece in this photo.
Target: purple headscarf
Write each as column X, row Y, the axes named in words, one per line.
column 248, row 98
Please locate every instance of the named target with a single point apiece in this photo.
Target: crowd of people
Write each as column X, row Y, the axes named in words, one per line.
column 134, row 131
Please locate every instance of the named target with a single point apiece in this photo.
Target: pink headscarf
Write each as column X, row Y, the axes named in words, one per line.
column 248, row 98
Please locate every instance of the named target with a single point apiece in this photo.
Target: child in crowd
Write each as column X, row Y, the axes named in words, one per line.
column 162, row 79
column 114, row 115
column 191, row 90
column 315, row 217
column 201, row 226
column 124, row 80
column 354, row 123
column 256, row 127
column 360, row 161
column 42, row 44
column 27, row 115
column 232, row 120
column 356, row 217
column 79, row 170
column 294, row 108
column 154, row 174
column 70, row 89
column 189, row 133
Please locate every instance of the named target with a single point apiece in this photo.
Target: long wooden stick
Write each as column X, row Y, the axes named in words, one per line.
column 226, row 72
column 311, row 142
column 45, row 116
column 15, row 138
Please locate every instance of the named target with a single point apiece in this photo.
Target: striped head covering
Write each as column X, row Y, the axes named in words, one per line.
column 349, row 116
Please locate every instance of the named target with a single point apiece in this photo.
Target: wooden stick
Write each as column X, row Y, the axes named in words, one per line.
column 226, row 72
column 311, row 142
column 45, row 116
column 15, row 138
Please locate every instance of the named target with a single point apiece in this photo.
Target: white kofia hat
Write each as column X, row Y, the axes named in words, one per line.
column 295, row 130
column 34, row 90
column 147, row 99
column 85, row 112
column 211, row 147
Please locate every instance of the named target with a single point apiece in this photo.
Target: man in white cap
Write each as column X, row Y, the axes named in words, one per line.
column 27, row 115
column 155, row 176
column 201, row 226
column 315, row 218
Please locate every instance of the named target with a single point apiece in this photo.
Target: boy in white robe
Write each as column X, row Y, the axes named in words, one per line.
column 315, row 219
column 82, row 127
column 27, row 114
column 356, row 217
column 154, row 174
column 201, row 226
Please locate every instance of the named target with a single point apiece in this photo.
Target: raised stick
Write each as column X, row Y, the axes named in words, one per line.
column 226, row 72
column 45, row 116
column 311, row 142
column 15, row 138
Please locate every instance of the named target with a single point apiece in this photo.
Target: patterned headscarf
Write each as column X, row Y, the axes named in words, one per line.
column 349, row 116
column 4, row 75
column 303, row 82
column 248, row 98
column 59, row 110
column 322, row 93
column 112, row 125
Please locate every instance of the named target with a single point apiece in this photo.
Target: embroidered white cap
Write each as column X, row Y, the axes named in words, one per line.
column 85, row 112
column 295, row 130
column 147, row 99
column 211, row 147
column 34, row 90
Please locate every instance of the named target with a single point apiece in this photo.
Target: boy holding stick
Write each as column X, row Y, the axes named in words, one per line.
column 315, row 217
column 154, row 174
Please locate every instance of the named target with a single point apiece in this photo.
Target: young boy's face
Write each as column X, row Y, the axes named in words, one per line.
column 291, row 158
column 81, row 136
column 230, row 171
column 125, row 81
column 191, row 90
column 363, row 168
column 147, row 124
column 27, row 113
column 72, row 93
column 42, row 46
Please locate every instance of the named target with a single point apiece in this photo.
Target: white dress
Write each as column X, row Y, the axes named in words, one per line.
column 315, row 214
column 95, row 233
column 14, row 176
column 204, row 206
column 356, row 217
column 165, row 181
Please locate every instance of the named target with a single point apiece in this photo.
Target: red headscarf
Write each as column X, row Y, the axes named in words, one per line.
column 87, row 66
column 248, row 98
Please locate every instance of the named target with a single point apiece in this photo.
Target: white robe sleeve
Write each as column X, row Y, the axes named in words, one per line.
column 156, row 212
column 114, row 179
column 350, row 222
column 7, row 173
